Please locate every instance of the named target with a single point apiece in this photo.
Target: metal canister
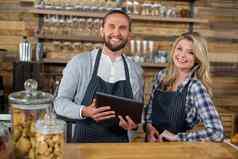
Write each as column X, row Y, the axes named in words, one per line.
column 25, row 52
column 26, row 108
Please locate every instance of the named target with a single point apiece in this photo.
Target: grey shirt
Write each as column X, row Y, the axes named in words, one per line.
column 76, row 77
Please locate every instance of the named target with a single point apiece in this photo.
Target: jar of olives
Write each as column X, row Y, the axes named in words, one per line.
column 26, row 108
column 50, row 138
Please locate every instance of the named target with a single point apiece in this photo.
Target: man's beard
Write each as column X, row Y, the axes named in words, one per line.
column 114, row 48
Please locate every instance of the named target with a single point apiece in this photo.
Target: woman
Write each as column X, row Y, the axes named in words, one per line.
column 181, row 95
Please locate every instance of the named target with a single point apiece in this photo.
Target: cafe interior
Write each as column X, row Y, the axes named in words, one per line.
column 39, row 38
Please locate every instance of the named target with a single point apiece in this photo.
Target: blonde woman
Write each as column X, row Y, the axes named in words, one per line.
column 181, row 96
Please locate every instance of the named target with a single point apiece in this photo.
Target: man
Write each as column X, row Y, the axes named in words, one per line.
column 105, row 70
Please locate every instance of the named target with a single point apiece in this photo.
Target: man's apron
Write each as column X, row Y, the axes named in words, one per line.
column 89, row 131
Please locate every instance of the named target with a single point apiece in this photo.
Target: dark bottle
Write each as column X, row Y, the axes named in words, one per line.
column 5, row 143
column 1, row 95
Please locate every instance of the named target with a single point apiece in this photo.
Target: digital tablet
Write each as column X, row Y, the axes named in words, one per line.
column 122, row 106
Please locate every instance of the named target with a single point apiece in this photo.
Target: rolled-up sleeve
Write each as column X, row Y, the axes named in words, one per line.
column 207, row 114
column 63, row 103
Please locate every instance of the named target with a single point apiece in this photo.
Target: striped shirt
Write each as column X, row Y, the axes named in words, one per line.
column 198, row 108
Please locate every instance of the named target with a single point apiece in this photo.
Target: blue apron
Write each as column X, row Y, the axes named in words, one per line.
column 168, row 110
column 87, row 130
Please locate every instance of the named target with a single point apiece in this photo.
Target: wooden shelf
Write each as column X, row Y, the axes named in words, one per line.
column 168, row 19
column 133, row 17
column 223, row 57
column 26, row 1
column 26, row 4
column 54, row 61
column 181, row 0
column 64, row 61
column 86, row 38
column 67, row 13
column 153, row 36
column 93, row 38
column 226, row 35
column 213, row 61
column 154, row 65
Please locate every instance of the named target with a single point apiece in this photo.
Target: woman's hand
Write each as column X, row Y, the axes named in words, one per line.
column 127, row 124
column 167, row 136
column 152, row 133
column 98, row 114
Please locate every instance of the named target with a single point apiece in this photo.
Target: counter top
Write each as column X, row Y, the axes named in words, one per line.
column 175, row 150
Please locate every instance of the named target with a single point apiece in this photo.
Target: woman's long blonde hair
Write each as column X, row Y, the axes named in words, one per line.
column 201, row 66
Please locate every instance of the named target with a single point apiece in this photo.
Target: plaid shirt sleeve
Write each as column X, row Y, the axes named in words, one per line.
column 203, row 109
column 156, row 82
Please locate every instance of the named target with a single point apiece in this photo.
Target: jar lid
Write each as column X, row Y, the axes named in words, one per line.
column 30, row 98
column 50, row 125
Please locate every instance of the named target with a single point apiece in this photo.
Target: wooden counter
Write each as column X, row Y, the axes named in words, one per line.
column 199, row 150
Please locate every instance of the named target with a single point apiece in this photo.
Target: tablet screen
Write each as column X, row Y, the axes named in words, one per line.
column 122, row 106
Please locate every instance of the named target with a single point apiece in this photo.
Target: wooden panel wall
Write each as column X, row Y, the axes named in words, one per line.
column 223, row 46
column 223, row 25
column 222, row 28
column 14, row 23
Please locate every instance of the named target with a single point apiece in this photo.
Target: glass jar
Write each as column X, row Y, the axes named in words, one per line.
column 5, row 143
column 234, row 139
column 26, row 108
column 50, row 138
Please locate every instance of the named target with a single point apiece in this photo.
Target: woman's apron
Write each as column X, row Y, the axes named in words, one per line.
column 168, row 110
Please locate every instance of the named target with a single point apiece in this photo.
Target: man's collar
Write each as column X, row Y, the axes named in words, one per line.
column 118, row 58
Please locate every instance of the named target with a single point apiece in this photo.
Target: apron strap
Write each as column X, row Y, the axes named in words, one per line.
column 92, row 87
column 128, row 83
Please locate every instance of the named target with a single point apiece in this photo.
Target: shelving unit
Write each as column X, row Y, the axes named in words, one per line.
column 133, row 17
column 83, row 38
column 96, row 14
column 60, row 61
column 93, row 38
column 55, row 64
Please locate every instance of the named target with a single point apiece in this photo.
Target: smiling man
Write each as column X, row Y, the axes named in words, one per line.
column 106, row 70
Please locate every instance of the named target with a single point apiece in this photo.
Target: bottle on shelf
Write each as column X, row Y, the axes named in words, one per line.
column 25, row 52
column 2, row 108
column 39, row 51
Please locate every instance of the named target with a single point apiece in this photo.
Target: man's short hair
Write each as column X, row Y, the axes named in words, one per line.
column 117, row 11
